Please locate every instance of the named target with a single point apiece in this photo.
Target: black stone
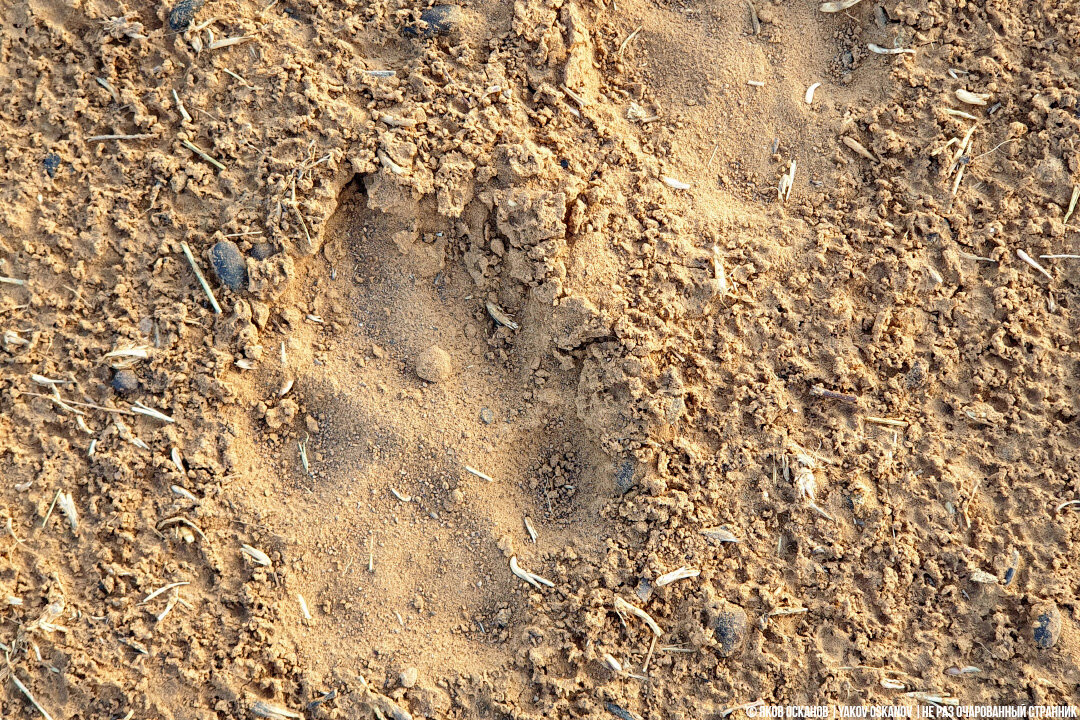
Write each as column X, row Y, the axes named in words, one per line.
column 125, row 382
column 183, row 13
column 624, row 477
column 263, row 250
column 436, row 20
column 229, row 265
column 51, row 163
column 1047, row 628
column 730, row 627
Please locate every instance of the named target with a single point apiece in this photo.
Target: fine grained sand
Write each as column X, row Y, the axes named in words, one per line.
column 490, row 259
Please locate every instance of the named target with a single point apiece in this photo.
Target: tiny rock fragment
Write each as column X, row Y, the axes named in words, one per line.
column 434, row 365
column 408, row 677
column 228, row 264
column 983, row 577
column 51, row 163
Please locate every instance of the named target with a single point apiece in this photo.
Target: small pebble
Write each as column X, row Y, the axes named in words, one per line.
column 125, row 381
column 1047, row 627
column 730, row 628
column 182, row 14
column 229, row 264
column 624, row 477
column 644, row 590
column 51, row 163
column 263, row 250
column 407, row 678
column 433, row 364
column 437, row 20
column 487, row 416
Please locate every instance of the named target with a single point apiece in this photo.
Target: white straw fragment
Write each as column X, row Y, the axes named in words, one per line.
column 624, row 608
column 837, row 5
column 257, row 555
column 1033, row 263
column 675, row 575
column 531, row 578
column 888, row 51
column 478, row 474
column 165, row 589
column 970, row 98
column 755, row 83
column 138, row 407
column 201, row 279
column 303, row 606
column 810, row 92
column 674, row 184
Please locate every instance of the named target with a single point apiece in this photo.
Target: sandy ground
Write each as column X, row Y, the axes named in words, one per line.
column 513, row 285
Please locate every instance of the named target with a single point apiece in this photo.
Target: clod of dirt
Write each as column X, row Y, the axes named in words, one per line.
column 125, row 382
column 1047, row 627
column 408, row 677
column 434, row 364
column 437, row 20
column 730, row 626
column 229, row 265
column 487, row 416
column 263, row 250
column 51, row 164
column 182, row 14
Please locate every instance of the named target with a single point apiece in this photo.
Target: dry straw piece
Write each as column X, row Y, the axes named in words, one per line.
column 837, row 5
column 624, row 608
column 970, row 98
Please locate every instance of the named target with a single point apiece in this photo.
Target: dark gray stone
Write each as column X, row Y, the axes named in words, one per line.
column 263, row 250
column 624, row 476
column 51, row 163
column 229, row 265
column 125, row 382
column 1047, row 627
column 182, row 14
column 436, row 20
column 730, row 628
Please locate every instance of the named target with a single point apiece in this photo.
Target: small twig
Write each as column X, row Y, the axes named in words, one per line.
column 137, row 136
column 165, row 589
column 627, row 41
column 478, row 474
column 886, row 421
column 180, row 107
column 120, row 411
column 51, row 508
column 30, row 696
column 202, row 153
column 202, row 280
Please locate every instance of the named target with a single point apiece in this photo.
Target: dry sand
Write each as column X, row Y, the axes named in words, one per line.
column 542, row 241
